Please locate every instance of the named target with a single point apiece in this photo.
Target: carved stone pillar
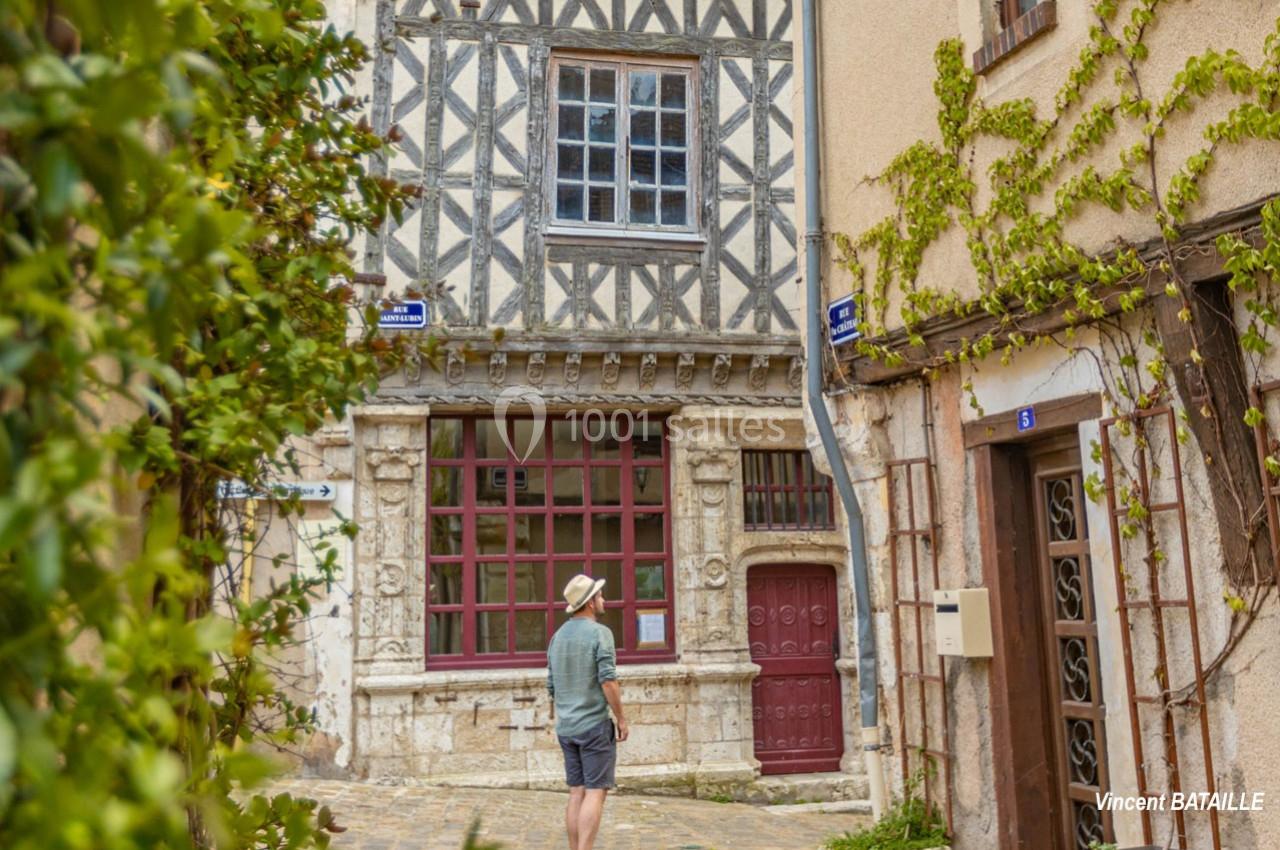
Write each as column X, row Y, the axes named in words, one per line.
column 391, row 513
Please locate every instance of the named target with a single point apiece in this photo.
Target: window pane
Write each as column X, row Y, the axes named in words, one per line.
column 643, row 167
column 565, row 570
column 491, row 583
column 530, row 532
column 446, row 535
column 569, row 202
column 647, row 485
column 603, row 85
column 606, row 533
column 613, row 619
column 531, row 582
column 524, row 432
column 445, row 636
column 643, row 128
column 602, row 163
column 491, row 485
column 567, row 485
column 491, row 632
column 611, row 572
column 604, row 124
column 673, row 208
column 644, row 207
column 490, row 440
column 572, row 83
column 572, row 120
column 673, row 91
column 644, row 88
column 566, row 436
column 446, row 584
column 651, row 581
column 649, row 536
column 569, row 162
column 531, row 631
column 491, row 534
column 673, row 169
column 568, row 533
column 531, row 486
column 446, row 487
column 647, row 443
column 600, row 205
column 606, row 486
column 673, row 125
column 446, row 438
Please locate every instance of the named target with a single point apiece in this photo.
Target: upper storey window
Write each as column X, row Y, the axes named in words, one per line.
column 622, row 149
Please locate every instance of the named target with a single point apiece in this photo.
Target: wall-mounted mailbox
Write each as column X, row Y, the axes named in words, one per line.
column 962, row 622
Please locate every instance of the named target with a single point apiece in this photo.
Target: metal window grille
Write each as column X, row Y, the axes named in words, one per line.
column 782, row 490
column 505, row 533
column 1268, row 447
column 1144, row 580
column 923, row 725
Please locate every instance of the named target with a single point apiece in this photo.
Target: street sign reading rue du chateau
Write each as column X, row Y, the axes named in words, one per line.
column 842, row 318
column 308, row 491
column 406, row 314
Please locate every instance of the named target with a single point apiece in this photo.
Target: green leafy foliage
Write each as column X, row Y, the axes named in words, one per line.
column 910, row 824
column 179, row 182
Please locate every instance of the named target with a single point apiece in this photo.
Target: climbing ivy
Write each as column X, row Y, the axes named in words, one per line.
column 1096, row 148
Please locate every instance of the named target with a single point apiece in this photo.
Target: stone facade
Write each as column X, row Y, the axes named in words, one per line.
column 701, row 331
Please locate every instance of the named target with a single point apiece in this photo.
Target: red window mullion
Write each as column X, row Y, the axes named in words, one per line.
column 469, row 538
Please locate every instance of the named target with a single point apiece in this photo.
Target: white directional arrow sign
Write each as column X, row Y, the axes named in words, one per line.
column 307, row 491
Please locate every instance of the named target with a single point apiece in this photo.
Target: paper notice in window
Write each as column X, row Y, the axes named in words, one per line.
column 651, row 628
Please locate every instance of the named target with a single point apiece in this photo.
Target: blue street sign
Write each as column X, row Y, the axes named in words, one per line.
column 406, row 314
column 1026, row 418
column 842, row 318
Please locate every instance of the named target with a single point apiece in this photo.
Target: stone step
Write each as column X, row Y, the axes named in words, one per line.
column 795, row 789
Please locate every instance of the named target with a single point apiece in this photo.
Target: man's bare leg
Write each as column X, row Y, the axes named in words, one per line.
column 576, row 793
column 589, row 815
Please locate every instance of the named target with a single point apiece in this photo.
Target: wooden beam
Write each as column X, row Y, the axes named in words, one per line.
column 411, row 26
column 1051, row 416
column 945, row 333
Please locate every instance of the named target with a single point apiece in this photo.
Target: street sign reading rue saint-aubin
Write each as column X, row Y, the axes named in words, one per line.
column 308, row 491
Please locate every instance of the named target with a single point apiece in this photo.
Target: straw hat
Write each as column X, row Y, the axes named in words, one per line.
column 580, row 590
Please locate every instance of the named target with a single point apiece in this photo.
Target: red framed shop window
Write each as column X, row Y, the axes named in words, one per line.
column 781, row 490
column 506, row 530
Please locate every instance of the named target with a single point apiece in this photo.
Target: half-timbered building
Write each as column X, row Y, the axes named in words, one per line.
column 606, row 231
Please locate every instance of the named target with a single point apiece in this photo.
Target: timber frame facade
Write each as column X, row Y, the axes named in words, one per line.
column 430, row 672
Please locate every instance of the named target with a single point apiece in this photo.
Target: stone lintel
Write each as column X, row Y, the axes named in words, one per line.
column 392, row 412
column 531, row 677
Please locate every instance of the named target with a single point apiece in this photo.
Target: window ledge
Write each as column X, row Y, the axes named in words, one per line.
column 562, row 235
column 1042, row 18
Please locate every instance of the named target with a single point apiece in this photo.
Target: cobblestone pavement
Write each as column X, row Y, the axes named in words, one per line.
column 384, row 817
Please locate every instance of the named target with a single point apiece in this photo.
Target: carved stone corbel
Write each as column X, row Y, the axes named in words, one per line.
column 648, row 370
column 498, row 368
column 455, row 367
column 413, row 366
column 536, row 368
column 572, row 368
column 720, row 370
column 795, row 372
column 758, row 375
column 610, row 369
column 393, row 463
column 684, row 371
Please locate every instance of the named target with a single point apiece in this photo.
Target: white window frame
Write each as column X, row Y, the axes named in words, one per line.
column 622, row 227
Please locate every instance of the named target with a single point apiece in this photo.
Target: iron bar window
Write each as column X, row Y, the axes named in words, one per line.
column 517, row 507
column 783, row 490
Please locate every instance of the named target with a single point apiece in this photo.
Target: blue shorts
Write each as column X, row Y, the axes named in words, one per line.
column 589, row 758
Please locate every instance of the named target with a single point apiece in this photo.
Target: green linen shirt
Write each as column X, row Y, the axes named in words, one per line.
column 580, row 659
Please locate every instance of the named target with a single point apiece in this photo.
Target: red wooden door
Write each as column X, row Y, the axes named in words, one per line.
column 793, row 628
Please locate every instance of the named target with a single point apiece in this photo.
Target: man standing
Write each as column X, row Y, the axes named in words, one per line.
column 583, row 681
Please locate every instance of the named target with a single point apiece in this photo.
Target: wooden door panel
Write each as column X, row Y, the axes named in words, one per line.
column 792, row 630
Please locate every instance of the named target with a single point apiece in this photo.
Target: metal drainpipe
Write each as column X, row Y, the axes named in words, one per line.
column 867, row 669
